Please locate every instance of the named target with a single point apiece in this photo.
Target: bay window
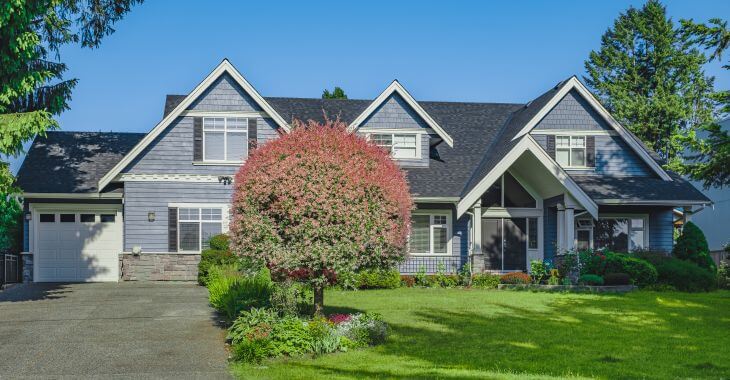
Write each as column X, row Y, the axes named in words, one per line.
column 570, row 151
column 225, row 139
column 400, row 145
column 196, row 226
column 429, row 234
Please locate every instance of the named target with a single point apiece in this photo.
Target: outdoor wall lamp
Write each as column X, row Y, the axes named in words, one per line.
column 151, row 216
column 28, row 216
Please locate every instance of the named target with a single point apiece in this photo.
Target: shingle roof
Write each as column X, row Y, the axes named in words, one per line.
column 72, row 162
column 632, row 189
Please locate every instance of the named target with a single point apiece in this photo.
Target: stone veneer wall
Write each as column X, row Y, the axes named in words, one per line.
column 27, row 267
column 159, row 267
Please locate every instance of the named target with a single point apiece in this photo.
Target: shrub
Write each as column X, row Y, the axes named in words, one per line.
column 686, row 276
column 692, row 246
column 553, row 280
column 291, row 298
column 246, row 320
column 538, row 271
column 323, row 335
column 590, row 279
column 641, row 272
column 444, row 280
column 515, row 278
column 303, row 206
column 290, row 336
column 211, row 257
column 485, row 280
column 616, row 279
column 421, row 278
column 723, row 274
column 363, row 329
column 378, row 279
column 408, row 281
column 230, row 292
column 465, row 275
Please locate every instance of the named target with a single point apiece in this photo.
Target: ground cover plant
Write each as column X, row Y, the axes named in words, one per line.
column 463, row 333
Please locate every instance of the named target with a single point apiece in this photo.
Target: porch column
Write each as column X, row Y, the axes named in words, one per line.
column 561, row 230
column 569, row 229
column 477, row 257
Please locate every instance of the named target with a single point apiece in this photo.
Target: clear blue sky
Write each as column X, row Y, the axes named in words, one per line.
column 497, row 51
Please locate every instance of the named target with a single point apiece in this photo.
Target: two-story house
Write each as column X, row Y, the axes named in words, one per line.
column 495, row 184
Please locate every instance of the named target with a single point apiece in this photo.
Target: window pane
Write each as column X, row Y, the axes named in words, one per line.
column 637, row 223
column 48, row 218
column 532, row 233
column 213, row 145
column 211, row 214
column 400, row 152
column 637, row 240
column 189, row 237
column 562, row 141
column 87, row 218
column 382, row 140
column 237, row 123
column 612, row 234
column 562, row 156
column 578, row 157
column 420, row 234
column 440, row 240
column 68, row 218
column 578, row 142
column 515, row 195
column 188, row 214
column 209, row 230
column 584, row 239
column 405, row 140
column 439, row 219
column 213, row 123
column 237, row 146
column 493, row 196
column 107, row 218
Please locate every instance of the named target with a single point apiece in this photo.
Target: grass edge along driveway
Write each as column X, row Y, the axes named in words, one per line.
column 457, row 333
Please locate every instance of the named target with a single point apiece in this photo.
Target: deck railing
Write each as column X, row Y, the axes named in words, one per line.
column 432, row 264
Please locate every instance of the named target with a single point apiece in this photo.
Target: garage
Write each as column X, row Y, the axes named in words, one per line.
column 76, row 243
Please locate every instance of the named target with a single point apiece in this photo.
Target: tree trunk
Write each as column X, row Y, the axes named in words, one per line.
column 318, row 300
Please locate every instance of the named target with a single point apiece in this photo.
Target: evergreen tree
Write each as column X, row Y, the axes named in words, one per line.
column 650, row 77
column 692, row 246
column 337, row 93
column 32, row 87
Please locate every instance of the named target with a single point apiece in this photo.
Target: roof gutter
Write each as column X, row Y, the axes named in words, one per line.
column 652, row 202
column 73, row 195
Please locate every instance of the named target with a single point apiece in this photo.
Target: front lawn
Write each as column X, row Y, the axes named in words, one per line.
column 457, row 333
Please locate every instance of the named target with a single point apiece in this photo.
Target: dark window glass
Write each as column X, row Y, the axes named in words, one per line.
column 515, row 195
column 584, row 239
column 493, row 196
column 68, row 218
column 189, row 236
column 420, row 234
column 87, row 218
column 48, row 218
column 209, row 230
column 612, row 234
column 107, row 218
column 532, row 233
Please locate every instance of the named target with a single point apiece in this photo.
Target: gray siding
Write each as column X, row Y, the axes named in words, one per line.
column 459, row 246
column 172, row 151
column 395, row 113
column 573, row 112
column 225, row 95
column 613, row 157
column 144, row 197
column 661, row 230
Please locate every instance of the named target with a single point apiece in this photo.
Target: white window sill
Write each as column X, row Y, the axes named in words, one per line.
column 218, row 163
column 429, row 254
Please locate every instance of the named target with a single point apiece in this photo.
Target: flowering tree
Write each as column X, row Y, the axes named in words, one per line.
column 318, row 202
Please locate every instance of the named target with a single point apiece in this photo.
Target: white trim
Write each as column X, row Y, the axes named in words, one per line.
column 436, row 199
column 198, row 205
column 218, row 163
column 651, row 202
column 512, row 212
column 171, row 177
column 225, row 114
column 161, row 253
column 629, row 216
column 73, row 195
column 396, row 87
column 223, row 68
column 573, row 132
column 574, row 83
column 225, row 220
column 418, row 153
column 449, row 232
column 570, row 149
column 420, row 131
column 225, row 132
column 524, row 145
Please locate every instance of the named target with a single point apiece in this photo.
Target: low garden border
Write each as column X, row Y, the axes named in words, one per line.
column 570, row 288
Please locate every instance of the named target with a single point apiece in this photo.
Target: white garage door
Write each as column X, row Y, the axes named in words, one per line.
column 77, row 246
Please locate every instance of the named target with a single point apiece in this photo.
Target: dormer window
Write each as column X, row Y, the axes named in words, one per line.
column 225, row 139
column 570, row 151
column 400, row 145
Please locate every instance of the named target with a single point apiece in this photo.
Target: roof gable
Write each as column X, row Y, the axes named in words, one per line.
column 545, row 103
column 224, row 68
column 396, row 88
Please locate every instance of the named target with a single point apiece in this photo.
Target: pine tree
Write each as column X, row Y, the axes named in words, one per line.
column 692, row 246
column 651, row 78
column 337, row 93
column 32, row 88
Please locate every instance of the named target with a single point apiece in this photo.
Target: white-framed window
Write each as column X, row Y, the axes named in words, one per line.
column 532, row 231
column 225, row 139
column 400, row 145
column 570, row 151
column 430, row 234
column 621, row 233
column 196, row 225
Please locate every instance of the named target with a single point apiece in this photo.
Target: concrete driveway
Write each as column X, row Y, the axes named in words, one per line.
column 110, row 330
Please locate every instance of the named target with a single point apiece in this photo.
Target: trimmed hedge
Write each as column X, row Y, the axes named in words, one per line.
column 686, row 276
column 378, row 279
column 485, row 280
column 590, row 279
column 613, row 279
column 515, row 278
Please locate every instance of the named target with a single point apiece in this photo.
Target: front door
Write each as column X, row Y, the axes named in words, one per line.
column 504, row 243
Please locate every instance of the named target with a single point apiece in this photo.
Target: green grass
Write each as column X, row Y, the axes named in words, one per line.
column 456, row 333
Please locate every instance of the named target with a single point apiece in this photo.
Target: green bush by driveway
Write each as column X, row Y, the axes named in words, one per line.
column 469, row 333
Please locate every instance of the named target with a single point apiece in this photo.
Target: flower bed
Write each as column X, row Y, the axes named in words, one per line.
column 570, row 288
